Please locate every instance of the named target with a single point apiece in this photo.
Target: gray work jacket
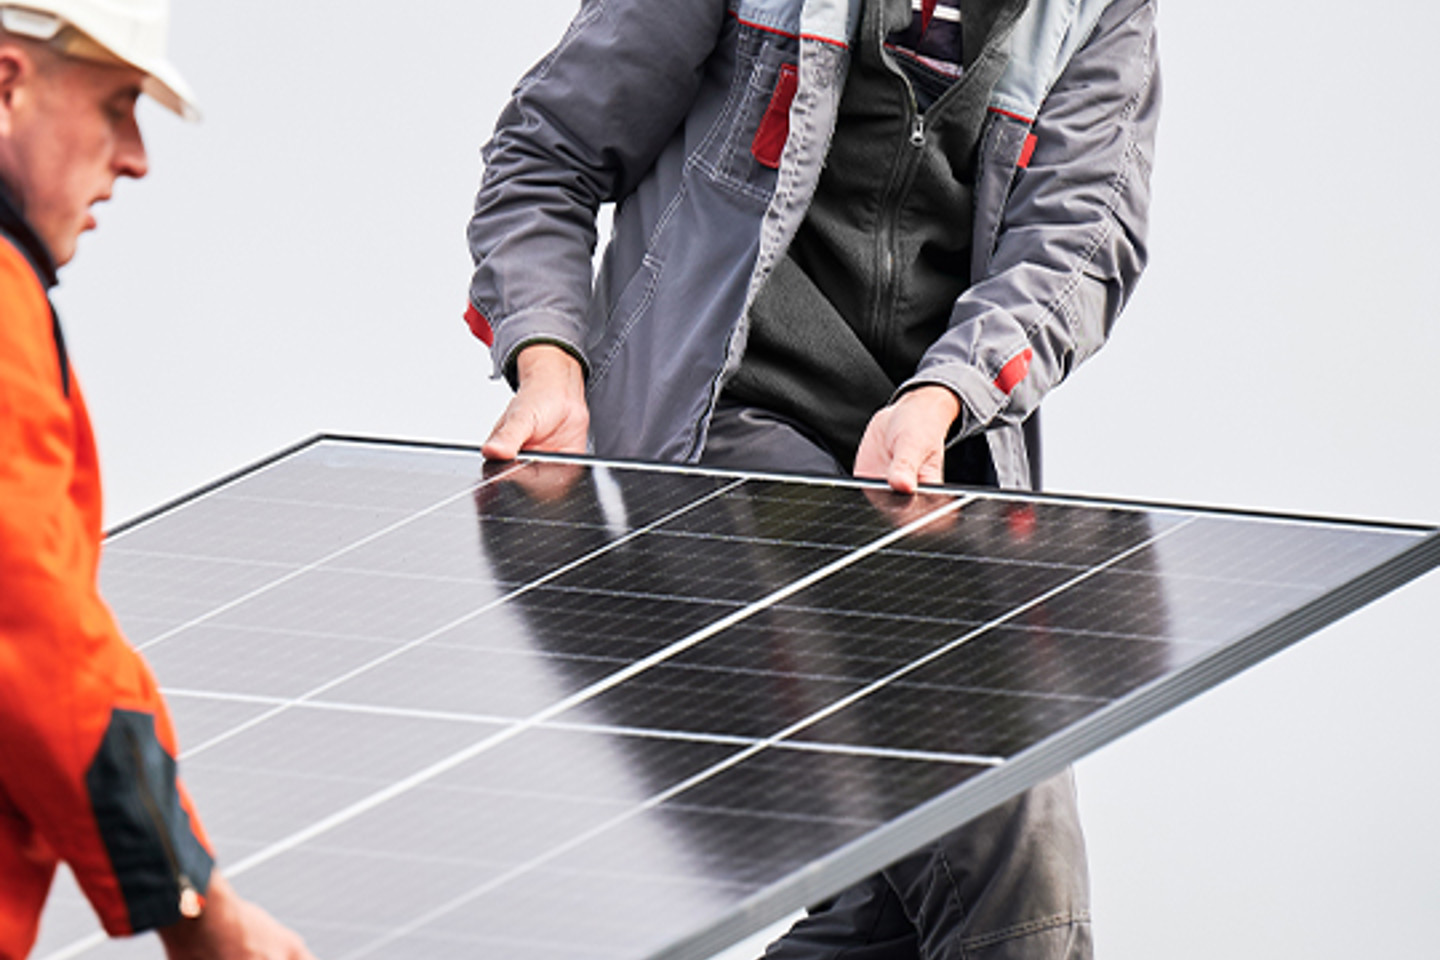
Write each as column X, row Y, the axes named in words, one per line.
column 707, row 123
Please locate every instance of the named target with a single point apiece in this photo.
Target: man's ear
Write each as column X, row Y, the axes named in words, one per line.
column 16, row 68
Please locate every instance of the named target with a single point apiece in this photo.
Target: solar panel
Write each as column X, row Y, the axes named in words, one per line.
column 561, row 708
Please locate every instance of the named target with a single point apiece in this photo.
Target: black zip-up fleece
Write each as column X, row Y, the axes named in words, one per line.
column 15, row 228
column 868, row 283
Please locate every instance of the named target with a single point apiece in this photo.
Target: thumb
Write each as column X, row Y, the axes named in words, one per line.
column 932, row 468
column 509, row 435
column 904, row 473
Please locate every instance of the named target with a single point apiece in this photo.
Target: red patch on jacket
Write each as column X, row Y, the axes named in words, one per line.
column 774, row 130
column 479, row 325
column 1026, row 152
column 1014, row 371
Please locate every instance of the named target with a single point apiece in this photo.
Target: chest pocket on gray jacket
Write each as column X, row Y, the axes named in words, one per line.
column 743, row 151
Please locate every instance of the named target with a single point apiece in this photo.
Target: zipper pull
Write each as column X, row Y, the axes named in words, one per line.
column 190, row 903
column 917, row 131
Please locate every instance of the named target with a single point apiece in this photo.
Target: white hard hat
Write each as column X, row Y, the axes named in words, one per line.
column 131, row 31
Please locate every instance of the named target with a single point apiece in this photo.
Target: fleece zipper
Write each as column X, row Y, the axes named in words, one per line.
column 887, row 292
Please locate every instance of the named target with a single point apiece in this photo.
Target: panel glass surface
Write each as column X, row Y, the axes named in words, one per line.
column 555, row 709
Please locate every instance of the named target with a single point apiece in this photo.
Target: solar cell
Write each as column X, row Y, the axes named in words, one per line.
column 563, row 708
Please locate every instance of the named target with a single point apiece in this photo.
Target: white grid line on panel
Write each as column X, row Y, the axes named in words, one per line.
column 196, row 557
column 126, row 553
column 333, row 706
column 602, row 729
column 981, row 558
column 316, row 564
column 890, row 753
column 230, row 496
column 83, row 945
column 744, row 754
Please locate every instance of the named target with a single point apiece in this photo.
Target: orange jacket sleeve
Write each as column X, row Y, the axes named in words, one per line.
column 86, row 744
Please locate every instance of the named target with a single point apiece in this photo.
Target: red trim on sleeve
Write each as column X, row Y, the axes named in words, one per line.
column 831, row 41
column 761, row 27
column 1026, row 152
column 479, row 325
column 786, row 33
column 774, row 129
column 1014, row 371
column 1013, row 116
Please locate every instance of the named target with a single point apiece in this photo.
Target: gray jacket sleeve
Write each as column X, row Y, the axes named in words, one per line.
column 571, row 138
column 1070, row 245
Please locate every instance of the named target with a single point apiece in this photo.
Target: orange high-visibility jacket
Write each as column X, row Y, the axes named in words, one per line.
column 87, row 773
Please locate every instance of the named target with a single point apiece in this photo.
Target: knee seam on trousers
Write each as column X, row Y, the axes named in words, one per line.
column 1024, row 929
column 954, row 884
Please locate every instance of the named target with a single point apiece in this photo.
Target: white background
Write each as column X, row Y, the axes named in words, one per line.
column 297, row 264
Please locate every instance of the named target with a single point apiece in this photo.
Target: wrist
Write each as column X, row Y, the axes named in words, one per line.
column 936, row 402
column 547, row 361
column 196, row 936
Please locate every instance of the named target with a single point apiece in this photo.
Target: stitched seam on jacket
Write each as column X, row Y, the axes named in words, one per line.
column 694, row 163
column 798, row 143
column 1061, row 306
column 955, row 897
column 725, row 123
column 654, row 267
column 999, row 124
column 493, row 312
column 719, row 177
column 1024, row 929
column 725, row 118
column 582, row 20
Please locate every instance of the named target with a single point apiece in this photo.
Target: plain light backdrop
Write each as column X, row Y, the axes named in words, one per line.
column 297, row 264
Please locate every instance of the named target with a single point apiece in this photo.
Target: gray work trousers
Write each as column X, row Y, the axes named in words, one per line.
column 1009, row 885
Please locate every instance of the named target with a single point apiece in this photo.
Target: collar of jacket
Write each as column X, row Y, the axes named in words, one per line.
column 14, row 225
column 1042, row 41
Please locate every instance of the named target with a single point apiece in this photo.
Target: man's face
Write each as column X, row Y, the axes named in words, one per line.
column 72, row 132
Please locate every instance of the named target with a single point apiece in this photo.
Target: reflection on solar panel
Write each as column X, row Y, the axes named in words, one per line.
column 562, row 709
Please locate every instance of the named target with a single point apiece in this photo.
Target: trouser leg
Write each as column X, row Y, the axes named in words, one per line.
column 1008, row 885
column 865, row 922
column 1011, row 884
